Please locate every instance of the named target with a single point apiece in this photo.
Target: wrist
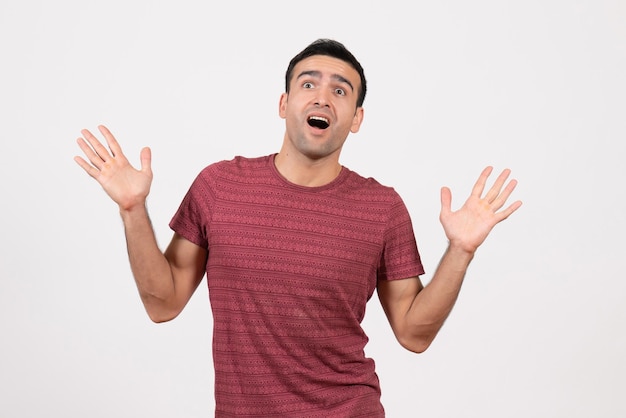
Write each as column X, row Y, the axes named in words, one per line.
column 460, row 253
column 129, row 212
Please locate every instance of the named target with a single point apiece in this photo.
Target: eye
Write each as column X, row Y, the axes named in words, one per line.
column 307, row 85
column 340, row 91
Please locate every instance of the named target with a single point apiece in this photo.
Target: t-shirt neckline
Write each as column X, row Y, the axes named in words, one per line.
column 341, row 177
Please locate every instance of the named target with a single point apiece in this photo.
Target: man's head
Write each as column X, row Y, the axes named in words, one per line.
column 331, row 48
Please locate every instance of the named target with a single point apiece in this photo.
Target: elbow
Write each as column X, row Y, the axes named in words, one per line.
column 418, row 342
column 415, row 345
column 160, row 310
column 159, row 319
column 161, row 315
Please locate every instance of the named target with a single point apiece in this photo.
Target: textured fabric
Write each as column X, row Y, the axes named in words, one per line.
column 290, row 270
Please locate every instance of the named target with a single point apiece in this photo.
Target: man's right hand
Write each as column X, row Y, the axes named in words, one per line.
column 127, row 186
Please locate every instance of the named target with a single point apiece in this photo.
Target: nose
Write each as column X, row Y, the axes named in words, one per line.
column 321, row 99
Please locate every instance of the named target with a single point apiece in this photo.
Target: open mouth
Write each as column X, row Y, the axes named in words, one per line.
column 318, row 122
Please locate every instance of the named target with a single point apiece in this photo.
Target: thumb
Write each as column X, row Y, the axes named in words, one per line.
column 446, row 201
column 146, row 160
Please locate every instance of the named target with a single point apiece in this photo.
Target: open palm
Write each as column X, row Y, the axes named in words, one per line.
column 127, row 186
column 469, row 226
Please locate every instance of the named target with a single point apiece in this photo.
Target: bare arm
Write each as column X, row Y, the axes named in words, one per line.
column 166, row 281
column 417, row 313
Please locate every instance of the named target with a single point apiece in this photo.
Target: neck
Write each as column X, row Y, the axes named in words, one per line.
column 306, row 172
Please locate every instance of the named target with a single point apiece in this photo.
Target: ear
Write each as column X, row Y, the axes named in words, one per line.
column 357, row 120
column 282, row 105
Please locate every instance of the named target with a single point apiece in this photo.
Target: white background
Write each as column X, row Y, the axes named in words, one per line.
column 537, row 86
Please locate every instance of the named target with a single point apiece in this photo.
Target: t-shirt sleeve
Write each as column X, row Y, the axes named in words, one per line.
column 400, row 258
column 191, row 220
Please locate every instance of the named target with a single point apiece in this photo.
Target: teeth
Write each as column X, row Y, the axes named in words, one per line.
column 319, row 122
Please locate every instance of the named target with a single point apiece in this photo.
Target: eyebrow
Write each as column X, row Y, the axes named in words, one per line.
column 318, row 74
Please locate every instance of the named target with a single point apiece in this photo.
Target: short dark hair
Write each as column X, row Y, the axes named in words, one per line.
column 333, row 49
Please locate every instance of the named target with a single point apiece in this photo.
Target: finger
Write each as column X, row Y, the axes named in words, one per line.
column 114, row 146
column 501, row 199
column 446, row 201
column 493, row 193
column 89, row 169
column 146, row 160
column 90, row 153
column 508, row 211
column 479, row 186
column 97, row 146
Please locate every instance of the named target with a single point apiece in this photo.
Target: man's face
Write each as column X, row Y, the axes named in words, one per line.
column 320, row 109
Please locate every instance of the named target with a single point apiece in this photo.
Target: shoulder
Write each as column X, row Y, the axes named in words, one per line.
column 238, row 167
column 237, row 163
column 237, row 175
column 370, row 189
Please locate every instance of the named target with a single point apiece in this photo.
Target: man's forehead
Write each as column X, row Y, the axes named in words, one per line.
column 327, row 65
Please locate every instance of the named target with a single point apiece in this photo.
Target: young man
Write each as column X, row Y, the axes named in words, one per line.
column 293, row 246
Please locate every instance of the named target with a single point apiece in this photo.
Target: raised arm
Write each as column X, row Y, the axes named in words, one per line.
column 417, row 313
column 166, row 281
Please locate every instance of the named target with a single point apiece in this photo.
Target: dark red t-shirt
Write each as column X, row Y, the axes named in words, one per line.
column 290, row 270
